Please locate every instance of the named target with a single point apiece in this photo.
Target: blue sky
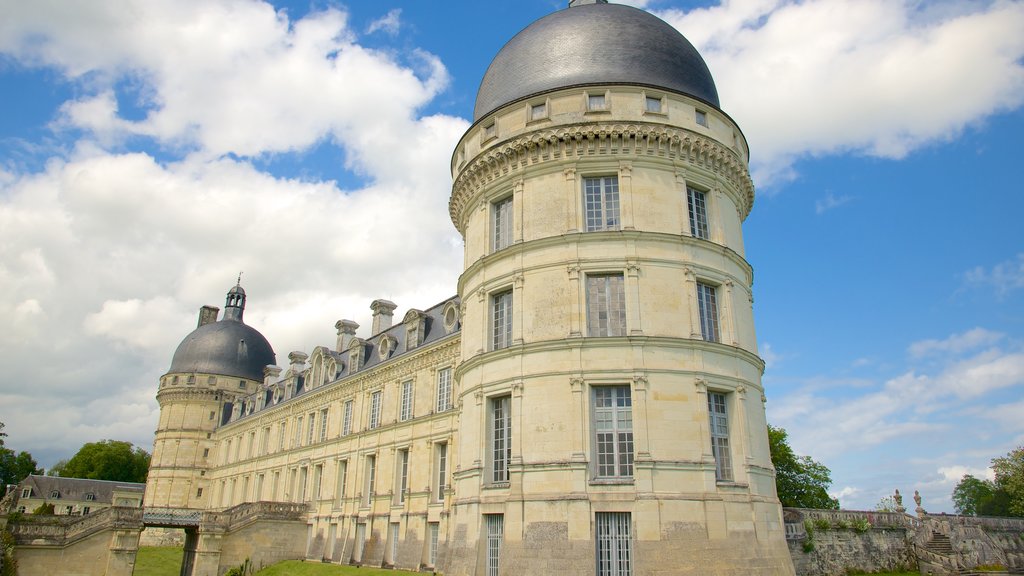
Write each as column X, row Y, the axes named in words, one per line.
column 151, row 150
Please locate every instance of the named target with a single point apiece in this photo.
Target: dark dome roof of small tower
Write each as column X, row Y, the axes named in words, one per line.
column 594, row 43
column 228, row 347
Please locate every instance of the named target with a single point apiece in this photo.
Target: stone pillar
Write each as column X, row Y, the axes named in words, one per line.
column 207, row 314
column 383, row 310
column 124, row 545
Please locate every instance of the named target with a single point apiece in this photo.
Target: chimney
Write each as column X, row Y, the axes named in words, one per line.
column 346, row 331
column 207, row 314
column 298, row 360
column 270, row 374
column 383, row 310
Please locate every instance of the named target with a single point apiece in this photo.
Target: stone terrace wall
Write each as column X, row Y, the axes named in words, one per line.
column 832, row 542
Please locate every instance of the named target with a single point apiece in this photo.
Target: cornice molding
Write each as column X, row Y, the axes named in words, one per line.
column 571, row 142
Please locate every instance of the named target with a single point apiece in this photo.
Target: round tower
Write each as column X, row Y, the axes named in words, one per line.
column 612, row 413
column 218, row 362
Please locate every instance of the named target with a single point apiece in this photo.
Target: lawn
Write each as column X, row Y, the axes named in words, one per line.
column 162, row 561
column 296, row 568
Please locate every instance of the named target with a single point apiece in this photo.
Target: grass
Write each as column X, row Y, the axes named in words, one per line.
column 158, row 561
column 297, row 568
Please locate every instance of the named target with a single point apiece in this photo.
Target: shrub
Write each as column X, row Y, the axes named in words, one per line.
column 861, row 525
column 822, row 523
column 8, row 565
column 843, row 524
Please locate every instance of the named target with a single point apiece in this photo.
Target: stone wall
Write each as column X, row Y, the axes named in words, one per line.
column 834, row 542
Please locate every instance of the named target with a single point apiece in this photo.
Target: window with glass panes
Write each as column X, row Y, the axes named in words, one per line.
column 402, row 476
column 696, row 202
column 601, row 203
column 614, row 544
column 495, row 525
column 346, row 420
column 613, row 430
column 501, row 437
column 405, row 404
column 310, row 428
column 323, row 424
column 375, row 400
column 370, row 479
column 433, row 530
column 444, row 389
column 441, row 469
column 501, row 221
column 501, row 320
column 707, row 305
column 606, row 305
column 718, row 411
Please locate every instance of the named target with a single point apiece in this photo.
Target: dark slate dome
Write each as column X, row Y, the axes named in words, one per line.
column 227, row 347
column 594, row 43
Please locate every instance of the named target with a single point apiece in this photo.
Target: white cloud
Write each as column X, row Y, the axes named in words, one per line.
column 1005, row 277
column 951, row 475
column 877, row 77
column 956, row 343
column 106, row 255
column 829, row 202
column 390, row 23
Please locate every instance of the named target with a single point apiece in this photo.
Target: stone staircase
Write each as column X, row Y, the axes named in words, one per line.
column 939, row 543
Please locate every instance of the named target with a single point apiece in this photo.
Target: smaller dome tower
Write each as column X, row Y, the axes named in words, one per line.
column 218, row 361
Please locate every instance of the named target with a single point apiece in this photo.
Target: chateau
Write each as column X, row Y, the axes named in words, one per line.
column 590, row 400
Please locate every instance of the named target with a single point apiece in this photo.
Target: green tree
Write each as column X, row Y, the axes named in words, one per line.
column 1010, row 478
column 976, row 497
column 800, row 481
column 108, row 460
column 14, row 466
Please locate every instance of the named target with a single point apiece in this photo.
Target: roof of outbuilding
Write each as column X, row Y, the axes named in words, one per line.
column 77, row 488
column 591, row 44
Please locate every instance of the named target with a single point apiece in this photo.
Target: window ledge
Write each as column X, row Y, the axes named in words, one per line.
column 497, row 486
column 731, row 484
column 611, row 482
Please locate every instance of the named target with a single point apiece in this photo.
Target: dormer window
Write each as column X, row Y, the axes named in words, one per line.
column 54, row 494
column 90, row 496
column 415, row 328
column 384, row 347
column 26, row 492
column 450, row 316
column 355, row 356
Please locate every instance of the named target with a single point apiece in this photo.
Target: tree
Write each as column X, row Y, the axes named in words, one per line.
column 1003, row 496
column 800, row 481
column 108, row 460
column 1010, row 478
column 14, row 467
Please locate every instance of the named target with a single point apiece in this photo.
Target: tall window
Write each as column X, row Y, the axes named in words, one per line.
column 282, row 431
column 614, row 545
column 433, row 530
column 495, row 524
column 501, row 221
column 696, row 202
column 501, row 320
column 370, row 479
column 405, row 409
column 323, row 424
column 444, row 389
column 606, row 305
column 501, row 437
column 346, row 421
column 441, row 470
column 357, row 554
column 265, row 441
column 342, row 479
column 318, row 476
column 394, row 530
column 310, row 428
column 298, row 432
column 601, row 199
column 707, row 303
column 719, row 414
column 613, row 429
column 375, row 399
column 252, row 444
column 402, row 476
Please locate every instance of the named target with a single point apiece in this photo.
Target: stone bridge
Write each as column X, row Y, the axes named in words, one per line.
column 106, row 542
